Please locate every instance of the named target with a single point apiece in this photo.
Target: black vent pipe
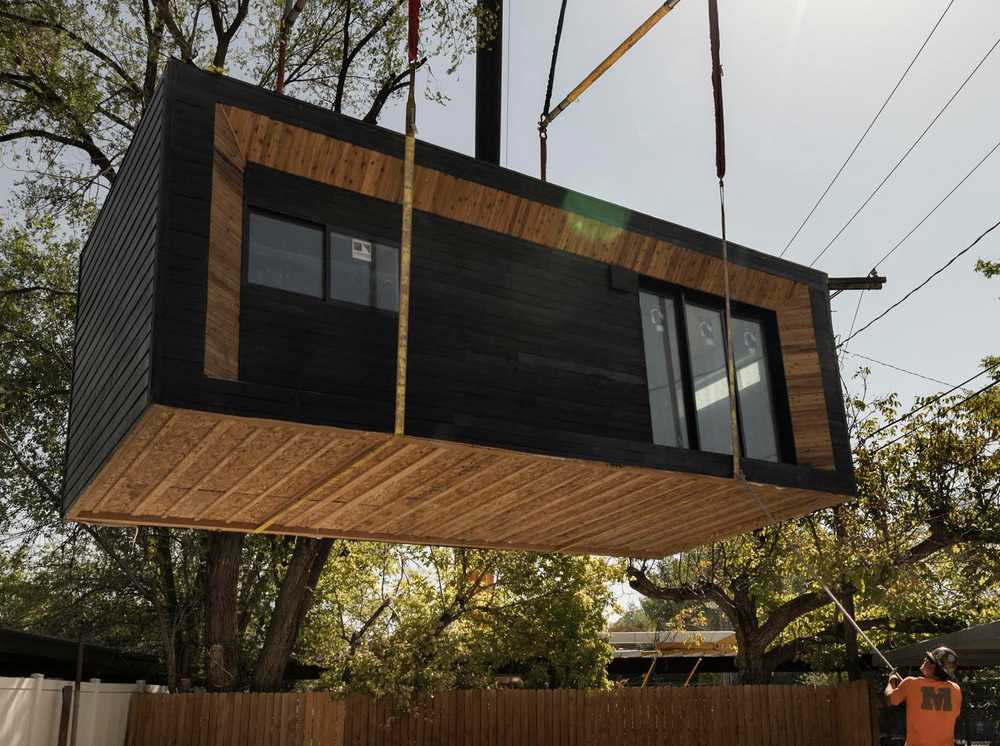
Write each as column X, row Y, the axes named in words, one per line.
column 489, row 75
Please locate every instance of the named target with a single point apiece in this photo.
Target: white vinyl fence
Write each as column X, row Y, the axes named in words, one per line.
column 30, row 709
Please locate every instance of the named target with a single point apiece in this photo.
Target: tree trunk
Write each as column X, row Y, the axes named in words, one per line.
column 750, row 663
column 166, row 603
column 847, row 599
column 294, row 599
column 221, row 640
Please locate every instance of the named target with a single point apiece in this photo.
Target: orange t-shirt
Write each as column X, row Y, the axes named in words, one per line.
column 932, row 706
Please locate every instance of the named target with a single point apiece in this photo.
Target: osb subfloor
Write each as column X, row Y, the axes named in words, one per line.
column 203, row 470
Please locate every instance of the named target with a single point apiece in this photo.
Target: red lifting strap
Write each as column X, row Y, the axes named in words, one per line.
column 720, row 127
column 414, row 30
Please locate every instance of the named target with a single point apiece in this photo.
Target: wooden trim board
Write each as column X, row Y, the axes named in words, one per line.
column 193, row 469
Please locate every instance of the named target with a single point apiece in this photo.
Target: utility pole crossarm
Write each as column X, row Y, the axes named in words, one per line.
column 837, row 285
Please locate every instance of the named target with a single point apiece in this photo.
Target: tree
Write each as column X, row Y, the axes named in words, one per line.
column 76, row 74
column 913, row 550
column 399, row 620
column 75, row 78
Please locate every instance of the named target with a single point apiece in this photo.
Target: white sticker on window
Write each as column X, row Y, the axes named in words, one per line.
column 361, row 250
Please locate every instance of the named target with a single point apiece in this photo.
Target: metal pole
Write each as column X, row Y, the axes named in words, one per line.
column 860, row 631
column 64, row 712
column 696, row 664
column 611, row 59
column 76, row 690
column 489, row 85
column 649, row 672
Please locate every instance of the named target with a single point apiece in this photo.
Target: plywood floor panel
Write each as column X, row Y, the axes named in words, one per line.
column 204, row 470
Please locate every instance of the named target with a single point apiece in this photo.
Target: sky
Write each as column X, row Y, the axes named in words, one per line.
column 802, row 80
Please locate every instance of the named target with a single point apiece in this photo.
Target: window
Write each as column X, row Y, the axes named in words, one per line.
column 685, row 349
column 364, row 272
column 663, row 370
column 291, row 255
column 285, row 254
column 753, row 383
column 707, row 344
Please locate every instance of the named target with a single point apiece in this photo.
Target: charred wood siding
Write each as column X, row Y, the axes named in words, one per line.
column 511, row 344
column 521, row 346
column 341, row 356
column 114, row 317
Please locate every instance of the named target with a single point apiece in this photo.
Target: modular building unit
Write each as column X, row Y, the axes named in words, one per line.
column 235, row 359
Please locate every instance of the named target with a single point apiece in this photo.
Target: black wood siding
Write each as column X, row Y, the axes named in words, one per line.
column 113, row 343
column 511, row 344
column 344, row 356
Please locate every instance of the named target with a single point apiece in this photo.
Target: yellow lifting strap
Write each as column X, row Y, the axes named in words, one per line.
column 611, row 59
column 406, row 240
column 548, row 116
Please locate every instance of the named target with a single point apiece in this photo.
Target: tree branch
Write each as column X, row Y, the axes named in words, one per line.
column 83, row 140
column 788, row 612
column 345, row 60
column 640, row 582
column 224, row 34
column 85, row 45
column 183, row 44
column 390, row 86
column 35, row 289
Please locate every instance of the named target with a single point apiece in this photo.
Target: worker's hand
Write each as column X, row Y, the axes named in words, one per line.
column 894, row 680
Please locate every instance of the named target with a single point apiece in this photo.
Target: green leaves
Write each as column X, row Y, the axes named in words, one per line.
column 37, row 281
column 398, row 620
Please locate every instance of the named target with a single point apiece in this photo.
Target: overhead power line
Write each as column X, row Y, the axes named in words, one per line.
column 922, row 284
column 915, row 410
column 906, row 154
column 857, row 310
column 924, row 424
column 867, row 130
column 896, row 367
column 934, row 209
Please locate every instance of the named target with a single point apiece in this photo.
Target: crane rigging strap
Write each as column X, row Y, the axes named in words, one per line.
column 543, row 133
column 371, row 454
column 720, row 170
column 406, row 238
column 549, row 116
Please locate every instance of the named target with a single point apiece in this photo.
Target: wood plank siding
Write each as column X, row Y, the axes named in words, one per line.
column 527, row 422
column 113, row 343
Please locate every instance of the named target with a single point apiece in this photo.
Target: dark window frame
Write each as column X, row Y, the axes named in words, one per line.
column 275, row 215
column 254, row 206
column 768, row 321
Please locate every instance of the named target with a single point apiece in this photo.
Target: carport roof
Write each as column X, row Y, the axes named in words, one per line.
column 977, row 647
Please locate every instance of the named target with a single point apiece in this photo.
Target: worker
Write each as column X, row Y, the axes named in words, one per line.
column 933, row 700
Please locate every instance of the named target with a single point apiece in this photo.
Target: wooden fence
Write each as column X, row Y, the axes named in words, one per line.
column 695, row 716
